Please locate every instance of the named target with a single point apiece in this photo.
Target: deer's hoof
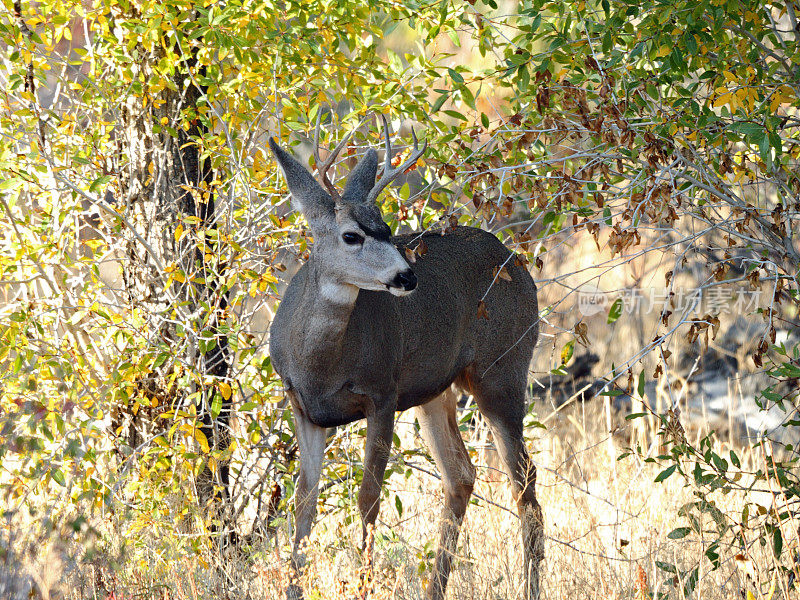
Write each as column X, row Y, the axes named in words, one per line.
column 294, row 592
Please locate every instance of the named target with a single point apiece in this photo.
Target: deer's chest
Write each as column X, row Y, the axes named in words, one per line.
column 340, row 372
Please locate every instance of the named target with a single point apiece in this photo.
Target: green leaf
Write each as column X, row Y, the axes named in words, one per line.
column 640, row 387
column 615, row 310
column 690, row 582
column 607, row 42
column 455, row 115
column 720, row 463
column 611, row 393
column 160, row 359
column 777, row 542
column 753, row 131
column 679, row 533
column 763, row 148
column 469, row 99
column 712, row 554
column 454, row 38
column 667, row 567
column 58, row 477
column 455, row 76
column 216, row 406
column 665, row 473
column 635, row 415
column 566, row 352
column 691, row 43
column 206, row 345
column 775, row 142
column 440, row 102
column 99, row 183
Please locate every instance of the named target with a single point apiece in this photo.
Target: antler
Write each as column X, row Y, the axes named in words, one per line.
column 322, row 167
column 390, row 174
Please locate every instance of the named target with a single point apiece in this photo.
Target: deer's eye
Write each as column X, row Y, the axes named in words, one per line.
column 352, row 238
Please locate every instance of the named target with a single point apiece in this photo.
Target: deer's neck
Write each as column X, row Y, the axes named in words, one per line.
column 329, row 305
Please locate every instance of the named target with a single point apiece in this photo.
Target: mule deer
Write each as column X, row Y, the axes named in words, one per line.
column 361, row 334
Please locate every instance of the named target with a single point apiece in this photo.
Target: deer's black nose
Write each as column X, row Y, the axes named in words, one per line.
column 406, row 280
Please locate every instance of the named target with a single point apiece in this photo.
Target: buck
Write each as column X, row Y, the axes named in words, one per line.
column 360, row 334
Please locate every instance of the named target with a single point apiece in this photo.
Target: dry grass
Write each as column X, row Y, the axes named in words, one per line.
column 606, row 520
column 607, row 524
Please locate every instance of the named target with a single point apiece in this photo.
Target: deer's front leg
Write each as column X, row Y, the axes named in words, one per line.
column 311, row 440
column 376, row 454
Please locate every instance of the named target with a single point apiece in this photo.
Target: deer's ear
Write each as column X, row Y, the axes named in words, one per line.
column 308, row 196
column 361, row 179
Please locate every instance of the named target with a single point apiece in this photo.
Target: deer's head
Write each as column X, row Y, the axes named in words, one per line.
column 352, row 244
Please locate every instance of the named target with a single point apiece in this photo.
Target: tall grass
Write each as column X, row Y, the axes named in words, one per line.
column 608, row 526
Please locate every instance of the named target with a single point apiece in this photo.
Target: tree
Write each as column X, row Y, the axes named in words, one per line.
column 134, row 136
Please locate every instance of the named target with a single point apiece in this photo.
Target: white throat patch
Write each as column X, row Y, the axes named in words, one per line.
column 339, row 293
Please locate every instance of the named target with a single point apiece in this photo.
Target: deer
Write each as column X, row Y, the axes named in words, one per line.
column 361, row 333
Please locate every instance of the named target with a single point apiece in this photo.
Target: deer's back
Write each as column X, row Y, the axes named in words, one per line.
column 445, row 328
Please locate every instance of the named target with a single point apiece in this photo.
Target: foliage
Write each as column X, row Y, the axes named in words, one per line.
column 80, row 346
column 653, row 127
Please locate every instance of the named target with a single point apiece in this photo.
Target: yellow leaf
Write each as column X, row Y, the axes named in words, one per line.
column 225, row 390
column 179, row 232
column 782, row 95
column 726, row 99
column 201, row 439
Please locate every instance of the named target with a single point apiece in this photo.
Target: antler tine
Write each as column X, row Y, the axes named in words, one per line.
column 387, row 159
column 390, row 174
column 323, row 166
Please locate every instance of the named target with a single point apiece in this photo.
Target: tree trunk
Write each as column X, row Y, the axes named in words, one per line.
column 164, row 180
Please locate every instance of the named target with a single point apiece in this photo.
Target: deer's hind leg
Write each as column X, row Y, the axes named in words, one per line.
column 439, row 429
column 502, row 403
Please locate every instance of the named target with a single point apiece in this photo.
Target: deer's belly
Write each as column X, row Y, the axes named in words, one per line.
column 420, row 395
column 332, row 410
